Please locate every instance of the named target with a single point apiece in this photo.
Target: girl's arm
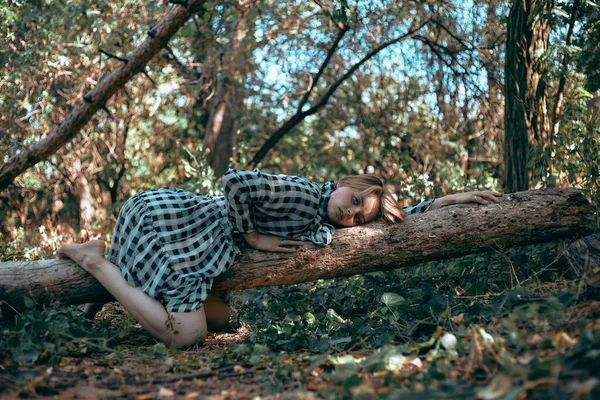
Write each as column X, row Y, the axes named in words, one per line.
column 483, row 197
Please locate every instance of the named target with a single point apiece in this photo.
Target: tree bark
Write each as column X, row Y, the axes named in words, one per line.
column 527, row 125
column 522, row 218
column 97, row 98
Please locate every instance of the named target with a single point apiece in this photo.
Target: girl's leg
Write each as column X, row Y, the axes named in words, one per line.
column 91, row 309
column 217, row 313
column 179, row 329
column 216, row 310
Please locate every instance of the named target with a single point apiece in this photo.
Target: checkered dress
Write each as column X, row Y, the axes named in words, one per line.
column 419, row 208
column 286, row 206
column 173, row 243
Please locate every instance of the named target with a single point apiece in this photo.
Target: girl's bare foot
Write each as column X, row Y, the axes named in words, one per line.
column 86, row 255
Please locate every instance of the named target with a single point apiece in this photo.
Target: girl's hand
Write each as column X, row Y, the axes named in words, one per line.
column 271, row 243
column 483, row 197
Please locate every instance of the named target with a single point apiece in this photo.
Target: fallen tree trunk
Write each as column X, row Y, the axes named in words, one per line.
column 520, row 219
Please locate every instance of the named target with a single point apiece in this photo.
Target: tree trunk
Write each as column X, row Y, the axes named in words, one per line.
column 538, row 113
column 527, row 126
column 563, row 79
column 494, row 114
column 86, row 205
column 97, row 98
column 522, row 218
column 219, row 136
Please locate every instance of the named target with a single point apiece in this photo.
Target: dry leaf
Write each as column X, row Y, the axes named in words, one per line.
column 563, row 341
column 164, row 392
column 497, row 388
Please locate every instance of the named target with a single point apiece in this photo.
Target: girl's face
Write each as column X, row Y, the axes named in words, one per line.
column 347, row 207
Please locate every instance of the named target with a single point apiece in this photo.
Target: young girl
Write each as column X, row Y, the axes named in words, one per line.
column 170, row 244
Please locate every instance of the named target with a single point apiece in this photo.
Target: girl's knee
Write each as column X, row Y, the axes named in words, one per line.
column 182, row 341
column 186, row 329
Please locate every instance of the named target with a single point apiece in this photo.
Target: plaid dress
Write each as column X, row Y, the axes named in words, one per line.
column 173, row 243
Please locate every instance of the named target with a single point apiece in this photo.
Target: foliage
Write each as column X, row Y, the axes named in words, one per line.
column 499, row 322
column 503, row 315
column 425, row 115
column 201, row 178
column 398, row 307
column 46, row 336
column 395, row 127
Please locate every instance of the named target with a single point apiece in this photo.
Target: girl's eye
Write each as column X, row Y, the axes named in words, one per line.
column 355, row 201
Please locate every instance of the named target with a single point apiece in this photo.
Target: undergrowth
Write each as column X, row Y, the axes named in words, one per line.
column 516, row 314
column 407, row 305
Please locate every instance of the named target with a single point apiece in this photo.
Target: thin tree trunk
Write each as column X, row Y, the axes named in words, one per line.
column 492, row 62
column 219, row 136
column 539, row 135
column 86, row 205
column 516, row 143
column 563, row 80
column 522, row 218
column 97, row 98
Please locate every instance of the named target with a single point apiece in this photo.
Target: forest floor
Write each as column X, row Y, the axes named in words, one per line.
column 386, row 335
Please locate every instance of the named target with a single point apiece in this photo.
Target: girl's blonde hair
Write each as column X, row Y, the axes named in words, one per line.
column 368, row 184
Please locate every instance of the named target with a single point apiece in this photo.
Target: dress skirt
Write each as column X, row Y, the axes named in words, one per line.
column 173, row 243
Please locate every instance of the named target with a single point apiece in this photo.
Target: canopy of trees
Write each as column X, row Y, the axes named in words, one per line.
column 413, row 91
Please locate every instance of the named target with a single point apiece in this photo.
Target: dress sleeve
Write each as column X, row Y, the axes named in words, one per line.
column 320, row 233
column 274, row 204
column 242, row 189
column 419, row 208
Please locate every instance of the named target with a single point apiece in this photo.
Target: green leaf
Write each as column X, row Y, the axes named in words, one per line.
column 28, row 301
column 346, row 339
column 395, row 362
column 388, row 357
column 333, row 316
column 582, row 93
column 260, row 349
column 351, row 381
column 310, row 318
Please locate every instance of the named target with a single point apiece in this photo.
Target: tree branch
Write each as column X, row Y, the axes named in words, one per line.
column 330, row 54
column 453, row 35
column 520, row 219
column 97, row 98
column 437, row 49
column 300, row 115
column 112, row 55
